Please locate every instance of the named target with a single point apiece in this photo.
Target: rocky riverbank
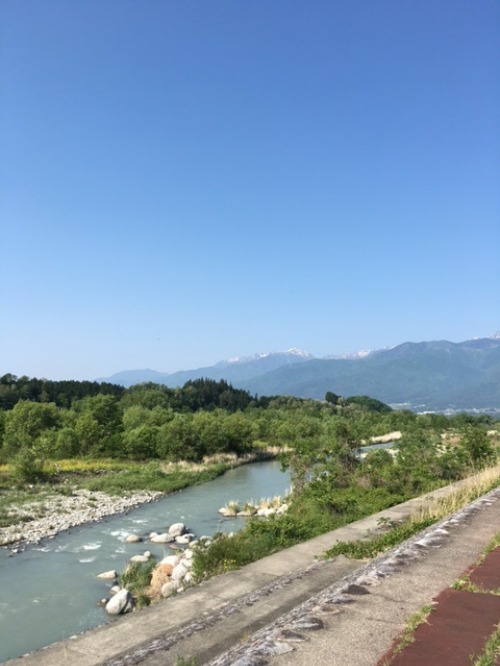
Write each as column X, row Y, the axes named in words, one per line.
column 52, row 512
column 57, row 513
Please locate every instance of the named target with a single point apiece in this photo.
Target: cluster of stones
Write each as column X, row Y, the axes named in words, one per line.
column 264, row 509
column 170, row 576
column 62, row 512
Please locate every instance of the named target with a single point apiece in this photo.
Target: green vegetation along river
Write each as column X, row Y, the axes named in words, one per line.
column 50, row 591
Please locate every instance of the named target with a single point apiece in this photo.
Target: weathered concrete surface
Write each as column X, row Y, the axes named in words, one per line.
column 268, row 607
column 358, row 629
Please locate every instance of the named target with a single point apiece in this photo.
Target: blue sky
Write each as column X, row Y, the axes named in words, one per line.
column 183, row 182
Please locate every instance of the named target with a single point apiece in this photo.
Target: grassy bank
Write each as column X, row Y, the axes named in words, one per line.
column 306, row 519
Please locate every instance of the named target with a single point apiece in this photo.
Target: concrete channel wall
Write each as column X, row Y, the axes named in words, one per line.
column 212, row 622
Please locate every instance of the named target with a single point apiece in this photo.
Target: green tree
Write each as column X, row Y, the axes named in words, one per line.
column 26, row 422
column 141, row 442
column 98, row 425
column 332, row 398
column 476, row 446
column 177, row 439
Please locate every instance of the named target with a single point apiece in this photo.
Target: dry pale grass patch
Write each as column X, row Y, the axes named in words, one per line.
column 468, row 490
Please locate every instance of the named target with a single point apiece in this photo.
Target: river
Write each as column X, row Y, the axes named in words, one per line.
column 50, row 591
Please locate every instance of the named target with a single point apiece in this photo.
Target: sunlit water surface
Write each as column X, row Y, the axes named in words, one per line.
column 50, row 591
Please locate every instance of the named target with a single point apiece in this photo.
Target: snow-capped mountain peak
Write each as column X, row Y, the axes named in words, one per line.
column 362, row 353
column 293, row 353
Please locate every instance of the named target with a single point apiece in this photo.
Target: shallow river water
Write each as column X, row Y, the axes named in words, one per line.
column 50, row 591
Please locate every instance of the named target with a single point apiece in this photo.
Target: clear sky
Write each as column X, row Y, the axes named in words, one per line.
column 183, row 182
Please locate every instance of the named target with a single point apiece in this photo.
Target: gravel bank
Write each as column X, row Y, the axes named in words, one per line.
column 61, row 512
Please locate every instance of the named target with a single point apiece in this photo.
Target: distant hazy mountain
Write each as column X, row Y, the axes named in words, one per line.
column 130, row 377
column 234, row 370
column 426, row 375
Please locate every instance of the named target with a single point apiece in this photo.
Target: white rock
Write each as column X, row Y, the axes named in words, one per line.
column 266, row 512
column 169, row 589
column 108, row 575
column 132, row 538
column 162, row 538
column 177, row 529
column 188, row 578
column 120, row 603
column 183, row 539
column 141, row 558
column 179, row 572
column 173, row 560
column 188, row 554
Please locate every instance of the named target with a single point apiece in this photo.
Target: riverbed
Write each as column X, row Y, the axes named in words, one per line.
column 50, row 591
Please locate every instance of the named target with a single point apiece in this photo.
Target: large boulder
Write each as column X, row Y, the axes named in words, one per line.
column 141, row 558
column 184, row 539
column 177, row 529
column 170, row 559
column 161, row 574
column 108, row 575
column 132, row 538
column 162, row 538
column 119, row 604
column 169, row 589
column 179, row 572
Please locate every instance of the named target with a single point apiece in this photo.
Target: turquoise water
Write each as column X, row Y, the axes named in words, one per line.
column 50, row 591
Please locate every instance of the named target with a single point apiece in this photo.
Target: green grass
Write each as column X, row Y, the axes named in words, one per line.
column 150, row 477
column 491, row 651
column 183, row 661
column 308, row 517
column 365, row 549
column 408, row 635
column 13, row 501
column 136, row 578
column 465, row 583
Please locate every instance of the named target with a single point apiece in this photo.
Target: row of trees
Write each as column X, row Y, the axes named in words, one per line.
column 194, row 395
column 206, row 417
column 100, row 426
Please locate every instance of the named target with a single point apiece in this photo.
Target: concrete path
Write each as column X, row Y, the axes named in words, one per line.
column 459, row 623
column 290, row 608
column 356, row 621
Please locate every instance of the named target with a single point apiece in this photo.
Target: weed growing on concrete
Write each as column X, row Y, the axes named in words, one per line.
column 183, row 661
column 360, row 550
column 491, row 651
column 412, row 624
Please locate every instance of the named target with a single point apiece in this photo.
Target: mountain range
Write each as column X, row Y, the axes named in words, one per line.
column 436, row 375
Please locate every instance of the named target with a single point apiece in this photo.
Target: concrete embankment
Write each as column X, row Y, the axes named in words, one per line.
column 292, row 608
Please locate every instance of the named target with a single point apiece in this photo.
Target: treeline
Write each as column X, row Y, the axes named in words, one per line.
column 147, row 421
column 194, row 395
column 203, row 418
column 62, row 393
